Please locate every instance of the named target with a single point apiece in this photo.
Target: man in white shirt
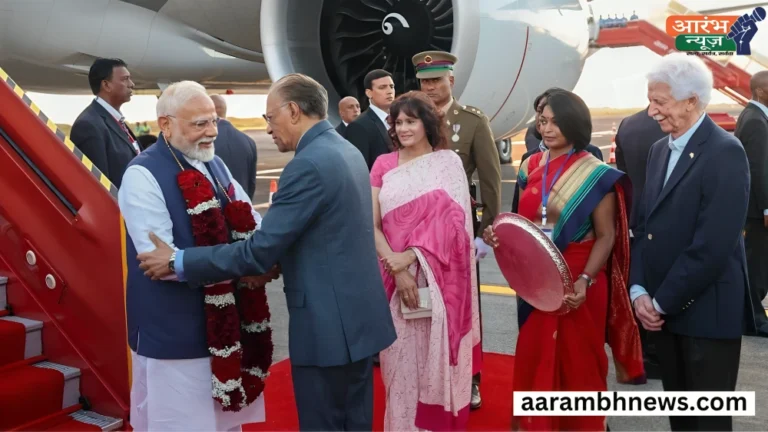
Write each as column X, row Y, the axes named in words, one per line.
column 370, row 131
column 100, row 131
column 169, row 332
column 688, row 270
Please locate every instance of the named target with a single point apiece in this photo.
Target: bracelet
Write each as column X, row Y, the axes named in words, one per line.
column 590, row 280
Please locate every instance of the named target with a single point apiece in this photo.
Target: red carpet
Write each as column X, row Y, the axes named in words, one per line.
column 28, row 393
column 12, row 340
column 494, row 415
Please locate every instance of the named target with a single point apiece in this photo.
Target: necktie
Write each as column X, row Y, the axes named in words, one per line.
column 124, row 127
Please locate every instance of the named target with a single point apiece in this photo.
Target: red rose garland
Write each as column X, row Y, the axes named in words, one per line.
column 237, row 314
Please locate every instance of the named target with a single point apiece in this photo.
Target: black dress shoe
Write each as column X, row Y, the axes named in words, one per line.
column 476, row 401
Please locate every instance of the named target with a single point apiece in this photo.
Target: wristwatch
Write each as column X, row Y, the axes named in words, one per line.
column 172, row 263
column 588, row 278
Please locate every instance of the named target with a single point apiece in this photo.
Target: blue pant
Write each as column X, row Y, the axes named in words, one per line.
column 336, row 398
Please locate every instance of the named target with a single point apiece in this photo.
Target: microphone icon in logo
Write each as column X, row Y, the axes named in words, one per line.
column 744, row 29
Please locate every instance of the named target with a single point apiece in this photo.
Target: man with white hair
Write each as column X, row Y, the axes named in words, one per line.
column 688, row 270
column 179, row 336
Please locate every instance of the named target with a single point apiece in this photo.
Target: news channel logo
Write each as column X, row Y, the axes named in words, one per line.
column 715, row 35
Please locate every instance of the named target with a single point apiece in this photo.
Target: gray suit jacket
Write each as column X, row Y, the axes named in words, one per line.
column 238, row 151
column 98, row 135
column 320, row 229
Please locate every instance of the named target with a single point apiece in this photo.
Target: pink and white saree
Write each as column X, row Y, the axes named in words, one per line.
column 427, row 372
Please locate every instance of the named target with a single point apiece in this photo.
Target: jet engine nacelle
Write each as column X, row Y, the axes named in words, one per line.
column 509, row 51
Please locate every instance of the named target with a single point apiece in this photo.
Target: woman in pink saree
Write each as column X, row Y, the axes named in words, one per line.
column 423, row 230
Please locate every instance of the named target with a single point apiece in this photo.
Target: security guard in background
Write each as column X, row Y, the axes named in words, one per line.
column 469, row 134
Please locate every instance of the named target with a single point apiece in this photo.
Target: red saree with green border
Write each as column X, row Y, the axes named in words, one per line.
column 567, row 352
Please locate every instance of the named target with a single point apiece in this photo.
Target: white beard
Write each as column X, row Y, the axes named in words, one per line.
column 203, row 155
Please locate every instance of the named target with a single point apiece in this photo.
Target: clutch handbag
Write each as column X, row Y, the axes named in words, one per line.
column 425, row 306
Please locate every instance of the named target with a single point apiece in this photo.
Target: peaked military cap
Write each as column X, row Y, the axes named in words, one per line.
column 433, row 64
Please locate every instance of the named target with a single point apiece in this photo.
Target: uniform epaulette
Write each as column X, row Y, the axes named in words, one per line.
column 473, row 110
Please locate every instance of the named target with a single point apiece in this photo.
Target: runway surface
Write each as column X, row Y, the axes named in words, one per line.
column 498, row 301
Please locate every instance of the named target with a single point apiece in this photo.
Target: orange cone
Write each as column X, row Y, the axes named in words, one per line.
column 612, row 155
column 272, row 190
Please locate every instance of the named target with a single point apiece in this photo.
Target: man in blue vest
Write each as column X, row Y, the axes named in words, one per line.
column 320, row 229
column 171, row 362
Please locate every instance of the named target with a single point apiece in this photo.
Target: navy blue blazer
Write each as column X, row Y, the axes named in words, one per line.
column 689, row 249
column 320, row 229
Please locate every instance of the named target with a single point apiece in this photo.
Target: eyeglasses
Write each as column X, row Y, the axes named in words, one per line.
column 268, row 117
column 199, row 125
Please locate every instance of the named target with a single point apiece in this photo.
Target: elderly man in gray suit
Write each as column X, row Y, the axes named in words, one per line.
column 320, row 229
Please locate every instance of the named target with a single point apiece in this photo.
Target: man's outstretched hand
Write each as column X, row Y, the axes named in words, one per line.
column 155, row 263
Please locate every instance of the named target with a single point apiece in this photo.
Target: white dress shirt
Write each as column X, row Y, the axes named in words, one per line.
column 676, row 147
column 381, row 114
column 143, row 205
column 118, row 116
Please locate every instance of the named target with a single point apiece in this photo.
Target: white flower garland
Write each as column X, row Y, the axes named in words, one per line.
column 242, row 236
column 257, row 372
column 220, row 300
column 226, row 352
column 257, row 327
column 203, row 206
column 220, row 390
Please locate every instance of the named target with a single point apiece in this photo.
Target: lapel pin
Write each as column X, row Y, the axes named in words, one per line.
column 691, row 155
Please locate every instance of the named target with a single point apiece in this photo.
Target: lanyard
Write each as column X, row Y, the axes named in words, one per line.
column 546, row 190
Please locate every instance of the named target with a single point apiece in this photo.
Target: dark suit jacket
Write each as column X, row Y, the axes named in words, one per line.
column 369, row 135
column 689, row 250
column 595, row 150
column 752, row 131
column 238, row 151
column 98, row 135
column 634, row 138
column 342, row 129
column 339, row 312
column 531, row 139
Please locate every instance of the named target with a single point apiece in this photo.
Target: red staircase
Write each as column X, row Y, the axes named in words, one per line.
column 64, row 361
column 728, row 78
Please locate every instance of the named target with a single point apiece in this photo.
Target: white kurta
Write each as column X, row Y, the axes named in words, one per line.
column 172, row 395
column 175, row 395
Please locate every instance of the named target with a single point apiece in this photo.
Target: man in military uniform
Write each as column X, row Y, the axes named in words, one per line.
column 469, row 134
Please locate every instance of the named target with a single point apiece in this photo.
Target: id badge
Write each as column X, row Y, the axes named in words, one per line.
column 548, row 232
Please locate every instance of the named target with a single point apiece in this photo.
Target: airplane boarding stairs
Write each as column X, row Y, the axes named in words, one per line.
column 729, row 78
column 64, row 359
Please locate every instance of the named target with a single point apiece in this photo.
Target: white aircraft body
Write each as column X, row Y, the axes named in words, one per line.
column 509, row 50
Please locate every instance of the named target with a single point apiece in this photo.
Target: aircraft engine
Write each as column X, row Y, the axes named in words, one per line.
column 508, row 52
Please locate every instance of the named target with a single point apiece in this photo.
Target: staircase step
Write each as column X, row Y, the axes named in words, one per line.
column 71, row 381
column 3, row 298
column 98, row 420
column 36, row 391
column 34, row 341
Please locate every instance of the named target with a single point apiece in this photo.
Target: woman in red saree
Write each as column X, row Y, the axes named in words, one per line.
column 580, row 202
